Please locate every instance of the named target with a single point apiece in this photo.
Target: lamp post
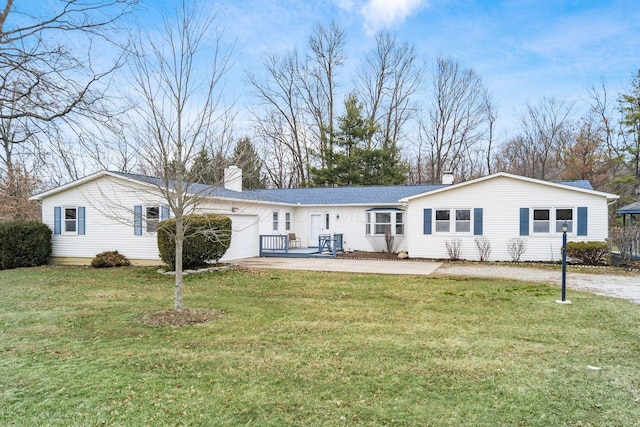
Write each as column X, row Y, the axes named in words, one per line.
column 565, row 228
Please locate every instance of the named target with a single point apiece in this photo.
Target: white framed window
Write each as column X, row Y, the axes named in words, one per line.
column 383, row 223
column 70, row 220
column 275, row 221
column 564, row 215
column 287, row 221
column 368, row 226
column 152, row 218
column 399, row 223
column 542, row 221
column 443, row 220
column 463, row 220
column 326, row 221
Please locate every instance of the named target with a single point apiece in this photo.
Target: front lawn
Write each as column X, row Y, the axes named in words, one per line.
column 304, row 348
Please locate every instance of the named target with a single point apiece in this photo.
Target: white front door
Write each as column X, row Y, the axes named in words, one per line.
column 315, row 226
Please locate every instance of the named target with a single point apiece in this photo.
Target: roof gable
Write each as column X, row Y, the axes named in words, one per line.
column 579, row 186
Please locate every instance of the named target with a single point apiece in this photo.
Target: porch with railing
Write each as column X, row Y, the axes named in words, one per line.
column 279, row 245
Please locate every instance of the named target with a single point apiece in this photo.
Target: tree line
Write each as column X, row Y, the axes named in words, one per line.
column 396, row 119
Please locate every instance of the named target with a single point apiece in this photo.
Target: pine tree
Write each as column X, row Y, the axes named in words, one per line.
column 351, row 163
column 246, row 157
column 208, row 169
column 630, row 109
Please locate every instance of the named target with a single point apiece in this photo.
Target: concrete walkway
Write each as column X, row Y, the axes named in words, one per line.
column 345, row 265
column 618, row 286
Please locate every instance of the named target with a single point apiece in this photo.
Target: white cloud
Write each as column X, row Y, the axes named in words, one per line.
column 386, row 13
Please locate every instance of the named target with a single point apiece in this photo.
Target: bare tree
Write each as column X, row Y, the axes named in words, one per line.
column 491, row 115
column 179, row 103
column 318, row 84
column 585, row 157
column 388, row 79
column 281, row 121
column 48, row 72
column 546, row 131
column 454, row 118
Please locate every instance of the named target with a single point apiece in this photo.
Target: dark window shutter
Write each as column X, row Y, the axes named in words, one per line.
column 524, row 221
column 582, row 221
column 81, row 220
column 477, row 221
column 164, row 212
column 137, row 220
column 57, row 220
column 427, row 222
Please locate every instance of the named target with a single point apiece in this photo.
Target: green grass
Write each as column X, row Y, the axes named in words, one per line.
column 303, row 348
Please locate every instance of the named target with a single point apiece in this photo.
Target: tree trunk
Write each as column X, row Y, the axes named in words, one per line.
column 177, row 296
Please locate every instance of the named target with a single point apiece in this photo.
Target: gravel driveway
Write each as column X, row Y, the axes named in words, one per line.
column 625, row 287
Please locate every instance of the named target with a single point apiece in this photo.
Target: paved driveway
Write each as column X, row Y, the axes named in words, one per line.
column 625, row 287
column 346, row 265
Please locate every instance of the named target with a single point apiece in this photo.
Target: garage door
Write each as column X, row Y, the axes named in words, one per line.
column 244, row 238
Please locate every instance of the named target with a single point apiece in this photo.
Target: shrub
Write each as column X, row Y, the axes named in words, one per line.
column 484, row 248
column 516, row 247
column 625, row 241
column 588, row 253
column 110, row 259
column 24, row 244
column 454, row 248
column 207, row 238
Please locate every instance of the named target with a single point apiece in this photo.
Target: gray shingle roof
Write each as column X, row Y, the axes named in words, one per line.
column 633, row 208
column 579, row 183
column 363, row 195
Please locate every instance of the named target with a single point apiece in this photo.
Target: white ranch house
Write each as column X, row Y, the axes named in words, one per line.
column 118, row 211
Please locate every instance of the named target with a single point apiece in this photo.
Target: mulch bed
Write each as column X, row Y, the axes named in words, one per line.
column 367, row 255
column 186, row 317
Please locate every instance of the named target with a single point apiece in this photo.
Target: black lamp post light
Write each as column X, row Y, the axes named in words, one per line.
column 565, row 228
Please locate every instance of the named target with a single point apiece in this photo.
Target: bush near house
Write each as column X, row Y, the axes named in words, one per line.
column 588, row 253
column 109, row 259
column 207, row 238
column 24, row 244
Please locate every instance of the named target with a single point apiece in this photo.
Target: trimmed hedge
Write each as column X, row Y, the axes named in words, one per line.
column 207, row 238
column 589, row 253
column 24, row 244
column 109, row 259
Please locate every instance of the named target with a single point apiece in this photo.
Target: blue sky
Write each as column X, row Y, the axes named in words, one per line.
column 522, row 49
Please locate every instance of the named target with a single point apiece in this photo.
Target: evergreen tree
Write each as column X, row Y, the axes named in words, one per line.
column 351, row 162
column 630, row 109
column 208, row 169
column 246, row 157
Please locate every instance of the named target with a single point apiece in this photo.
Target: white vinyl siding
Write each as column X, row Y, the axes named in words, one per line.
column 501, row 199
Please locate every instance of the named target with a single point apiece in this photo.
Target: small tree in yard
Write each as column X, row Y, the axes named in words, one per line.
column 179, row 109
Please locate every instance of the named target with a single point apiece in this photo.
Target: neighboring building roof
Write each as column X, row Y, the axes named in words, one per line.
column 633, row 208
column 326, row 196
column 580, row 183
